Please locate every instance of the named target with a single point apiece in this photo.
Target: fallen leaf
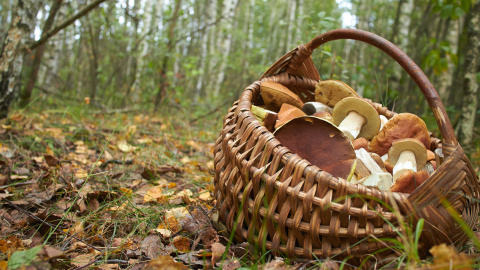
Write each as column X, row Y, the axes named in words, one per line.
column 81, row 173
column 125, row 147
column 51, row 160
column 181, row 243
column 445, row 257
column 205, row 196
column 217, row 252
column 154, row 194
column 151, row 246
column 165, row 262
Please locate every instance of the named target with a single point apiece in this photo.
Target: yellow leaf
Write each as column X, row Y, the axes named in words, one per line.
column 125, row 147
column 49, row 151
column 205, row 196
column 126, row 191
column 446, row 257
column 81, row 173
column 165, row 262
column 153, row 194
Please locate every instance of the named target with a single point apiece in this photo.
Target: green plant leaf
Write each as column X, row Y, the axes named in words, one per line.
column 447, row 11
column 21, row 258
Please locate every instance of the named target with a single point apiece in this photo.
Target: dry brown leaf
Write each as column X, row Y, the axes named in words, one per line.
column 11, row 244
column 3, row 265
column 51, row 160
column 151, row 246
column 80, row 173
column 445, row 257
column 165, row 262
column 217, row 252
column 181, row 243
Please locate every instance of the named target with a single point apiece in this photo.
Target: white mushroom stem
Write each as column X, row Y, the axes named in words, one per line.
column 352, row 124
column 406, row 162
column 383, row 121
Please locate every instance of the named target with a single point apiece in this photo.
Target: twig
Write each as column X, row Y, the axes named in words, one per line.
column 116, row 161
column 101, row 260
column 17, row 184
column 50, row 225
column 64, row 24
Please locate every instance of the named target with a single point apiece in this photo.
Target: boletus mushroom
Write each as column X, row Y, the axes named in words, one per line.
column 330, row 92
column 409, row 181
column 313, row 107
column 275, row 94
column 320, row 142
column 401, row 126
column 287, row 112
column 407, row 155
column 356, row 118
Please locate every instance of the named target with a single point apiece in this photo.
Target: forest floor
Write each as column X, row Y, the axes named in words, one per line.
column 114, row 191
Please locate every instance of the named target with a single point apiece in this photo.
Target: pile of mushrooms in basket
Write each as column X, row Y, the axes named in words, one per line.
column 344, row 135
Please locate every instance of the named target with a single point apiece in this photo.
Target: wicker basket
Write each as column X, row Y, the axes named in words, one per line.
column 276, row 200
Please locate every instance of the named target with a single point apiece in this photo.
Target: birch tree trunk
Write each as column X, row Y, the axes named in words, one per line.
column 204, row 51
column 23, row 24
column 470, row 87
column 226, row 45
column 147, row 26
column 32, row 78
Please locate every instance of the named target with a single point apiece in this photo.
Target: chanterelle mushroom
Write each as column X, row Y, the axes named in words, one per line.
column 356, row 118
column 407, row 155
column 320, row 142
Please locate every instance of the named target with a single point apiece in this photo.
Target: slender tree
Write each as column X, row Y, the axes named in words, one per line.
column 470, row 88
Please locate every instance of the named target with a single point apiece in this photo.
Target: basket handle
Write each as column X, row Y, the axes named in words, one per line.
column 407, row 64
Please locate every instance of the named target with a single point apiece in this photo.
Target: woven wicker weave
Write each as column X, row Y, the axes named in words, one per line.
column 274, row 199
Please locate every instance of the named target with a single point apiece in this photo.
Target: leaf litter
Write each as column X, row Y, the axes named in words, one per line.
column 135, row 193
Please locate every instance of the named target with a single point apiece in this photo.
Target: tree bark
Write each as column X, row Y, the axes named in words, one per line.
column 32, row 78
column 470, row 89
column 11, row 60
column 226, row 42
column 162, row 91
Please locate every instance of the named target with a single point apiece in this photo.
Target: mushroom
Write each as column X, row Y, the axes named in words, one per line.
column 401, row 126
column 360, row 143
column 275, row 94
column 310, row 108
column 356, row 118
column 266, row 117
column 287, row 112
column 320, row 142
column 371, row 174
column 409, row 181
column 324, row 115
column 407, row 155
column 330, row 92
column 381, row 181
column 383, row 121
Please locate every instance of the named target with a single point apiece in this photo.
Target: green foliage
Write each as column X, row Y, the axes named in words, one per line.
column 23, row 258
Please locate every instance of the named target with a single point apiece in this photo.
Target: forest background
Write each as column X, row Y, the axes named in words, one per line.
column 140, row 69
column 197, row 56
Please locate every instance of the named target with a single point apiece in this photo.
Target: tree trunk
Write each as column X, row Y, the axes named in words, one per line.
column 226, row 45
column 162, row 91
column 147, row 26
column 11, row 60
column 32, row 78
column 470, row 88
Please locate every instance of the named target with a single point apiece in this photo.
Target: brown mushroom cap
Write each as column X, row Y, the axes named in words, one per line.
column 401, row 126
column 287, row 112
column 409, row 181
column 330, row 92
column 320, row 142
column 361, row 143
column 413, row 145
column 275, row 94
column 346, row 105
